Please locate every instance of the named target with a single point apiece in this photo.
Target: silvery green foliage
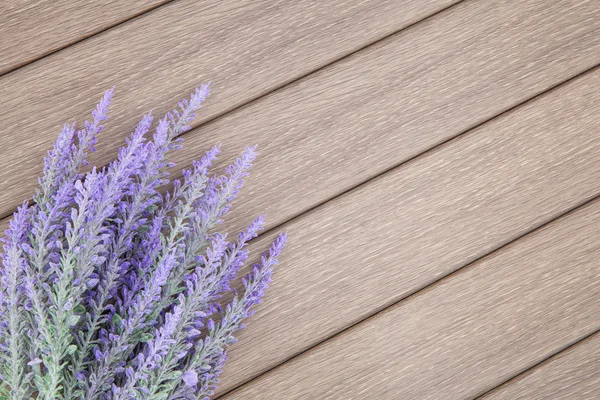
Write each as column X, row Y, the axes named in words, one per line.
column 112, row 285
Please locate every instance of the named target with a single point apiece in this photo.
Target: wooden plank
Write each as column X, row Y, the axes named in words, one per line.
column 32, row 29
column 571, row 374
column 434, row 58
column 465, row 334
column 404, row 230
column 445, row 75
column 360, row 117
column 246, row 48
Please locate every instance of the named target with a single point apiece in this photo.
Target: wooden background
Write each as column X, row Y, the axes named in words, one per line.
column 436, row 164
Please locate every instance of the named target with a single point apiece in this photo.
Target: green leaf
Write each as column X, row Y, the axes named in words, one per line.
column 116, row 319
column 71, row 349
column 173, row 375
column 79, row 309
column 144, row 337
column 73, row 320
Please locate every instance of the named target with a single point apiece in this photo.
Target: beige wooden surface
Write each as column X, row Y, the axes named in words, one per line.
column 427, row 82
column 388, row 103
column 371, row 163
column 32, row 29
column 572, row 374
column 464, row 335
column 246, row 48
column 421, row 221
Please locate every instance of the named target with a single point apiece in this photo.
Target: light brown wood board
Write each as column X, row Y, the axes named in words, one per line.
column 346, row 124
column 246, row 48
column 335, row 129
column 31, row 29
column 571, row 374
column 368, row 249
column 464, row 335
column 543, row 73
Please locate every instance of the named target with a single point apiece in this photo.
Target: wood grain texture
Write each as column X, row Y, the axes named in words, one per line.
column 246, row 48
column 31, row 29
column 402, row 231
column 352, row 121
column 442, row 76
column 571, row 374
column 465, row 334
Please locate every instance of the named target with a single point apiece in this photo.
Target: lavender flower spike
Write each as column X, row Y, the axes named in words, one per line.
column 203, row 288
column 12, row 321
column 154, row 352
column 109, row 354
column 211, row 353
column 111, row 282
column 142, row 196
column 63, row 161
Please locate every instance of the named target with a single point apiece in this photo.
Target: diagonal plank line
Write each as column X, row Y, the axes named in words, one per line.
column 540, row 363
column 84, row 37
column 283, row 84
column 439, row 145
column 455, row 272
column 431, row 149
column 418, row 291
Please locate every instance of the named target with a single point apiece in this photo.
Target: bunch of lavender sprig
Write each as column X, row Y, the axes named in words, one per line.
column 111, row 286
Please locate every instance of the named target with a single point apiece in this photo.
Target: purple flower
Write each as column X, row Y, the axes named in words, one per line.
column 13, row 324
column 190, row 378
column 111, row 284
column 210, row 355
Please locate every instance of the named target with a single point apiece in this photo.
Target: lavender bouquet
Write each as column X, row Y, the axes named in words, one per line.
column 111, row 286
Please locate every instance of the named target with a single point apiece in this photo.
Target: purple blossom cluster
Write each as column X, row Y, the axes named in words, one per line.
column 112, row 286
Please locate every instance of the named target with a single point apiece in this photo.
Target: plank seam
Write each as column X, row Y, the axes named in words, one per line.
column 83, row 38
column 451, row 274
column 291, row 81
column 435, row 147
column 541, row 363
column 416, row 293
column 368, row 180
